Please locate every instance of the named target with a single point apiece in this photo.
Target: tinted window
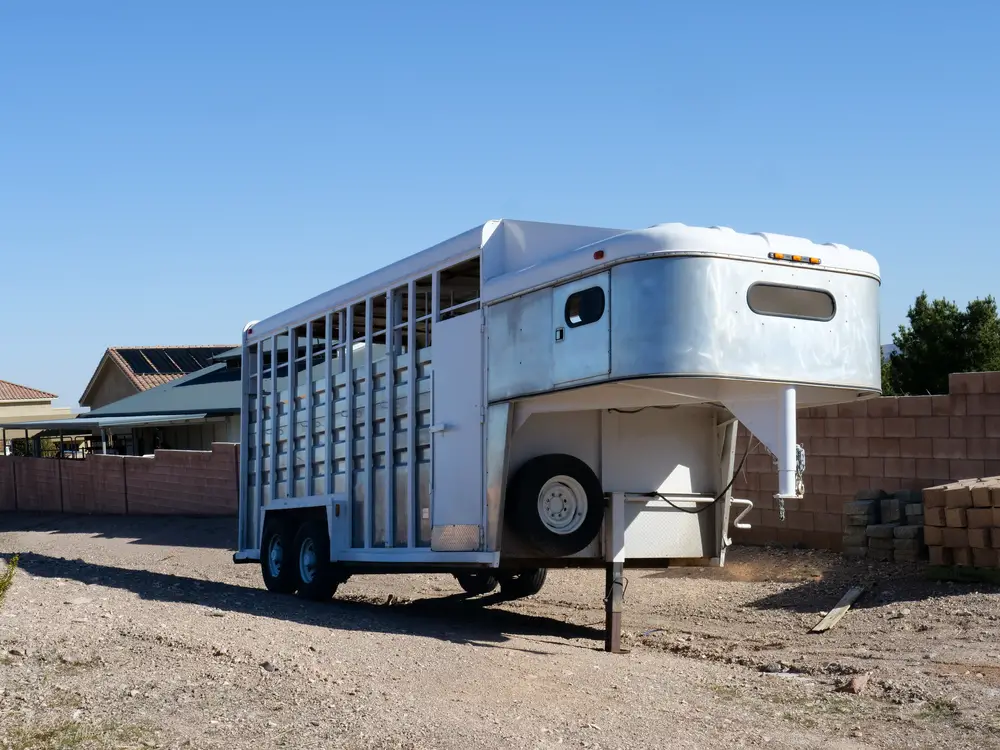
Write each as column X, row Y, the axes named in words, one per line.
column 583, row 307
column 791, row 302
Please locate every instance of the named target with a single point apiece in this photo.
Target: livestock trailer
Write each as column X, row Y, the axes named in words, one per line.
column 528, row 395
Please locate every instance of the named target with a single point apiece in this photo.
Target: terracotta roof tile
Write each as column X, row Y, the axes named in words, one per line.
column 150, row 366
column 147, row 367
column 15, row 392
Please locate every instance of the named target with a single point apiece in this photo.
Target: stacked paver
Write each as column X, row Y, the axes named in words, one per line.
column 962, row 523
column 885, row 527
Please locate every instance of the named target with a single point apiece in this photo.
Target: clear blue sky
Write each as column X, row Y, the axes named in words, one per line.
column 170, row 170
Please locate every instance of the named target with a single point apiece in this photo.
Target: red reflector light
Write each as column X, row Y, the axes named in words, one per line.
column 599, row 255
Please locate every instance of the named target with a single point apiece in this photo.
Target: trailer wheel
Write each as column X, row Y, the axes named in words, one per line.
column 477, row 583
column 526, row 583
column 276, row 564
column 317, row 579
column 558, row 504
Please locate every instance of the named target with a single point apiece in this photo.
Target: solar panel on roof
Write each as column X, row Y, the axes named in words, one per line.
column 163, row 364
column 184, row 360
column 136, row 362
column 170, row 361
column 202, row 357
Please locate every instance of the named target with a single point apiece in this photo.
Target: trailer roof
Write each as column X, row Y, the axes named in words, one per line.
column 662, row 239
column 521, row 255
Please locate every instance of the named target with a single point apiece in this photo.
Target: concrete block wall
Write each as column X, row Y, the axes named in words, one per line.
column 37, row 484
column 7, row 496
column 185, row 482
column 169, row 483
column 889, row 444
column 94, row 485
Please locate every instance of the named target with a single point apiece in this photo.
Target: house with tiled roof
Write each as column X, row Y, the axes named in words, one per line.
column 19, row 403
column 126, row 371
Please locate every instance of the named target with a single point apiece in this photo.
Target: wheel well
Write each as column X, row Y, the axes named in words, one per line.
column 297, row 516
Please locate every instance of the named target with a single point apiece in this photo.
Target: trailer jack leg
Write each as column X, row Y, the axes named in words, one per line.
column 613, row 576
column 613, row 608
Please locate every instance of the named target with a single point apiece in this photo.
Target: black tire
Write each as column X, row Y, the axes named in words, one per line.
column 477, row 583
column 524, row 583
column 523, row 498
column 276, row 554
column 316, row 577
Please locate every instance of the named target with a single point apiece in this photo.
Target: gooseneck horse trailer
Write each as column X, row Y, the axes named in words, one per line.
column 527, row 395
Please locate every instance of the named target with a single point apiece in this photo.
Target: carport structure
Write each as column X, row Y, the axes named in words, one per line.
column 86, row 433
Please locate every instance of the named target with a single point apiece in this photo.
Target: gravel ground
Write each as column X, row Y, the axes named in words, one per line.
column 127, row 632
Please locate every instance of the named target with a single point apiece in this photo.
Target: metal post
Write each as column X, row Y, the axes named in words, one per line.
column 59, row 465
column 614, row 574
column 786, row 450
column 104, row 442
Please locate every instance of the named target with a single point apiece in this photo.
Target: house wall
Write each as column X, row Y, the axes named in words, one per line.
column 169, row 483
column 28, row 411
column 111, row 385
column 906, row 443
column 31, row 411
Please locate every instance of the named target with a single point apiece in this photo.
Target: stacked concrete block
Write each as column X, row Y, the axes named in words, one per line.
column 884, row 527
column 962, row 523
column 859, row 514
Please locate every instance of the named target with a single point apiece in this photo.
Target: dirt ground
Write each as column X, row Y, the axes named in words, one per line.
column 125, row 632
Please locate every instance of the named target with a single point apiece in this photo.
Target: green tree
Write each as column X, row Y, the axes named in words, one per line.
column 941, row 339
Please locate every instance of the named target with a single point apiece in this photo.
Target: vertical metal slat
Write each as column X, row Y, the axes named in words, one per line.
column 328, row 389
column 369, row 401
column 435, row 309
column 411, row 417
column 260, row 426
column 390, row 433
column 290, row 450
column 273, row 474
column 349, row 414
column 244, row 537
column 309, row 410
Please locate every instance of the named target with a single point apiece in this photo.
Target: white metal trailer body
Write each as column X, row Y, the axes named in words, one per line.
column 399, row 409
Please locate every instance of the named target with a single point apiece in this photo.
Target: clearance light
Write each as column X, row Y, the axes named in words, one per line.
column 794, row 258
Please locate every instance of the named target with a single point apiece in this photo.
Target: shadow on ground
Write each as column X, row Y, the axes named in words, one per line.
column 814, row 580
column 212, row 532
column 457, row 619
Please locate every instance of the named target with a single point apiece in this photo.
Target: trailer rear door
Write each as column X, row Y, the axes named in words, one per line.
column 457, row 494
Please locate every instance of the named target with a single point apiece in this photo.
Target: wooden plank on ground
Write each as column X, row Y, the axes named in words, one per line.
column 834, row 615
